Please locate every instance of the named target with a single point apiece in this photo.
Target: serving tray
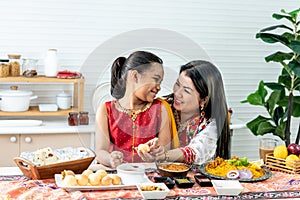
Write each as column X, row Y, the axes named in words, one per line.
column 59, row 183
column 267, row 175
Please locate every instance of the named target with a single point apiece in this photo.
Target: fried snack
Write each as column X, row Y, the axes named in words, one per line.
column 70, row 180
column 116, row 180
column 106, row 180
column 82, row 180
column 94, row 179
column 101, row 173
column 87, row 172
column 174, row 167
column 144, row 148
column 66, row 172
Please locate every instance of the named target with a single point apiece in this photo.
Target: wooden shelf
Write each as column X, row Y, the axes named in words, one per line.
column 34, row 111
column 40, row 79
column 78, row 95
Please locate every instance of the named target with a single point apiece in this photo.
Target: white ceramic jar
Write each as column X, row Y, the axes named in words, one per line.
column 51, row 63
column 63, row 101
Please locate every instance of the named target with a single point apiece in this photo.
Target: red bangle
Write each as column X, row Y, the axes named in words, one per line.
column 189, row 154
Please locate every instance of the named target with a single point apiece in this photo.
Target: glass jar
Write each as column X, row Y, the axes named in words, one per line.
column 14, row 64
column 83, row 118
column 73, row 119
column 29, row 67
column 4, row 68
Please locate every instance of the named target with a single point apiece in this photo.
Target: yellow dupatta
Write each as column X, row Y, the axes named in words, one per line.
column 174, row 134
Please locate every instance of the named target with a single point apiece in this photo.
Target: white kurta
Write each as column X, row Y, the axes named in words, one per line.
column 205, row 143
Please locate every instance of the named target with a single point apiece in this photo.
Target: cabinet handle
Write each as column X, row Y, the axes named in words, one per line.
column 13, row 139
column 27, row 139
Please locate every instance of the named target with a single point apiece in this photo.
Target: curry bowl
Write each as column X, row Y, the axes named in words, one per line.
column 173, row 169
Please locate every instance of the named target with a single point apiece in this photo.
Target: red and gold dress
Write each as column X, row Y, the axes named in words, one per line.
column 128, row 131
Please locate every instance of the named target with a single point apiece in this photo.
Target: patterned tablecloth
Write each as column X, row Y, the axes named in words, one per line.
column 280, row 185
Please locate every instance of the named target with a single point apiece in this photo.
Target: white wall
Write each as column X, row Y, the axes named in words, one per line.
column 225, row 29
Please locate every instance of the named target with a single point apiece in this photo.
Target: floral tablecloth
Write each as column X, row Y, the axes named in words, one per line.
column 280, row 185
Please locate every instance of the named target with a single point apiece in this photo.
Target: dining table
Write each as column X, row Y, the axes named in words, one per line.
column 14, row 185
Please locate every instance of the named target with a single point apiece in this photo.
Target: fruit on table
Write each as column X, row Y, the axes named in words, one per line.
column 294, row 148
column 280, row 152
column 289, row 161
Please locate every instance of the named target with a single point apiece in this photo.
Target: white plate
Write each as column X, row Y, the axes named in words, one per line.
column 25, row 122
column 59, row 183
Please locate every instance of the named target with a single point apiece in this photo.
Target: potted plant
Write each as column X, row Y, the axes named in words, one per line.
column 281, row 99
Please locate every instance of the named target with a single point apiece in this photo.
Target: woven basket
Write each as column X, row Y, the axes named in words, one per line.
column 32, row 171
column 279, row 164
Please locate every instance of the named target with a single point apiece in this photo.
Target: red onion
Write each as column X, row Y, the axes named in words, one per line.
column 232, row 174
column 245, row 173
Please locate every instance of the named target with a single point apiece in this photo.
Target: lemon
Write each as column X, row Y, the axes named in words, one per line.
column 289, row 161
column 257, row 163
column 280, row 152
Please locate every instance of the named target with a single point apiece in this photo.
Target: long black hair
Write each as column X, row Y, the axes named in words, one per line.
column 138, row 60
column 208, row 82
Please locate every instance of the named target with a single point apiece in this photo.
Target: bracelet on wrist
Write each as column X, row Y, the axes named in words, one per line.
column 166, row 156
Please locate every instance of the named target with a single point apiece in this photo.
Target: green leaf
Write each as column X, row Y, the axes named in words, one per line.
column 294, row 13
column 265, row 127
column 272, row 38
column 294, row 66
column 285, row 79
column 278, row 114
column 280, row 16
column 296, row 106
column 279, row 57
column 275, row 27
column 295, row 46
column 255, row 99
column 262, row 91
column 275, row 86
column 280, row 130
column 254, row 124
column 274, row 97
column 288, row 36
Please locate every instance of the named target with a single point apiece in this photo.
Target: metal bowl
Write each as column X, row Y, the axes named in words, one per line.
column 164, row 171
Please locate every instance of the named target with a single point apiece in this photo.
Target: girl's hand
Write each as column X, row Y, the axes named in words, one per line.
column 116, row 158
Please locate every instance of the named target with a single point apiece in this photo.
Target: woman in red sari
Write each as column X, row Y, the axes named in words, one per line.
column 135, row 117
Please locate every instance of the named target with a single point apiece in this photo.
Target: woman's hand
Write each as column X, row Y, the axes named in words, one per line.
column 116, row 158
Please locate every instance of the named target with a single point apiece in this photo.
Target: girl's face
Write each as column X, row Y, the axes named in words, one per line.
column 186, row 97
column 148, row 83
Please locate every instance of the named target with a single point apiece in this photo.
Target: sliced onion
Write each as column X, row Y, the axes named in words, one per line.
column 232, row 174
column 245, row 173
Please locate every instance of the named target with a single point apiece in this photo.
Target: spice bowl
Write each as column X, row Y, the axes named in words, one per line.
column 227, row 187
column 153, row 190
column 184, row 182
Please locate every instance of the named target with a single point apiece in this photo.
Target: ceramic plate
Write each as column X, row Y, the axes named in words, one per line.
column 20, row 122
column 59, row 183
column 267, row 175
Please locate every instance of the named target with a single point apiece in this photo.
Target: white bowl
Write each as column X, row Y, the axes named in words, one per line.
column 132, row 173
column 155, row 194
column 227, row 187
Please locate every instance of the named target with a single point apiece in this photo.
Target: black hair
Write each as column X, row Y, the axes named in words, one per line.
column 208, row 82
column 139, row 60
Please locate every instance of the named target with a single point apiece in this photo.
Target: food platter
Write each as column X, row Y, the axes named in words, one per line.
column 266, row 175
column 59, row 183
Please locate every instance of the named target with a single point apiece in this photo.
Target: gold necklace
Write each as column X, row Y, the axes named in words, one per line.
column 133, row 115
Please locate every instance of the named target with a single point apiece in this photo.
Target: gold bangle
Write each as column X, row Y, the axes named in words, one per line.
column 166, row 156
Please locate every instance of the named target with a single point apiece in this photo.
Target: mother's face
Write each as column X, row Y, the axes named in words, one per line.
column 186, row 97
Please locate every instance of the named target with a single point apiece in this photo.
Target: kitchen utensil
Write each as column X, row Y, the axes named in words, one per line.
column 15, row 100
column 63, row 101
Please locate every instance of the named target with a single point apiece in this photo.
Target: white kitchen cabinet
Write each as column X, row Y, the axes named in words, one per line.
column 13, row 144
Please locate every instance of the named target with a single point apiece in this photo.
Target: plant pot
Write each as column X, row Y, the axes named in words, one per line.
column 15, row 100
